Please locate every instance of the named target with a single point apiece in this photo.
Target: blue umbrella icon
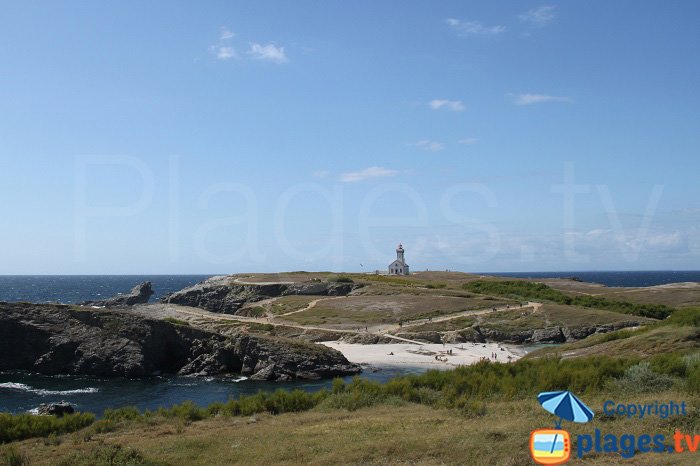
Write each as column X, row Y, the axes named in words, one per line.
column 565, row 405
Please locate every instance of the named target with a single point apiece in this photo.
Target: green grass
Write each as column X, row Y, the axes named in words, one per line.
column 176, row 321
column 341, row 279
column 20, row 426
column 439, row 410
column 520, row 289
column 354, row 311
column 458, row 323
column 290, row 303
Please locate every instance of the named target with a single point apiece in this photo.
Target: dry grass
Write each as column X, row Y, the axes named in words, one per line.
column 669, row 295
column 290, row 303
column 638, row 344
column 408, row 434
column 371, row 310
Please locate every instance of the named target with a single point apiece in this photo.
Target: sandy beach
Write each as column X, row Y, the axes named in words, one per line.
column 412, row 355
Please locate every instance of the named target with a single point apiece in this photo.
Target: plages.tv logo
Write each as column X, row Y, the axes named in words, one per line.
column 553, row 446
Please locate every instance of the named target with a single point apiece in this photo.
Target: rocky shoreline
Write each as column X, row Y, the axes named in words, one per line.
column 120, row 342
column 226, row 296
column 554, row 334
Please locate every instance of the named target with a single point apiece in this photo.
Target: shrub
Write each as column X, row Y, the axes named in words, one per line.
column 13, row 457
column 186, row 411
column 107, row 455
column 127, row 413
column 342, row 279
column 685, row 317
column 520, row 289
column 22, row 426
column 642, row 379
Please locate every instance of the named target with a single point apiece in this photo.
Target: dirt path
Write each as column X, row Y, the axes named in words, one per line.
column 311, row 305
column 213, row 317
column 385, row 330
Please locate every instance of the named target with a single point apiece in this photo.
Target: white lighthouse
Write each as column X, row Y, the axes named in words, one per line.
column 399, row 266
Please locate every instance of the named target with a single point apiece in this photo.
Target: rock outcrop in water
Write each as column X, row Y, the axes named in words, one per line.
column 140, row 294
column 55, row 409
column 58, row 339
column 223, row 295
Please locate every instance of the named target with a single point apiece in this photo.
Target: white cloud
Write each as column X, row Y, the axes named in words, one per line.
column 269, row 52
column 474, row 28
column 540, row 16
column 320, row 174
column 226, row 34
column 430, row 146
column 529, row 99
column 468, row 141
column 224, row 53
column 453, row 105
column 367, row 173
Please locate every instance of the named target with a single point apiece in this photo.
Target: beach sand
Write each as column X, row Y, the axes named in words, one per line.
column 412, row 355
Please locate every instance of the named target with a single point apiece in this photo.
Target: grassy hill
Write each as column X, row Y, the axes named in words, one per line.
column 476, row 415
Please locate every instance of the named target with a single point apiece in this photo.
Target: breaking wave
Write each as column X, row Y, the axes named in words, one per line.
column 41, row 391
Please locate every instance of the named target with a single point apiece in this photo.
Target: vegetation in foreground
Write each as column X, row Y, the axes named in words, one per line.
column 464, row 395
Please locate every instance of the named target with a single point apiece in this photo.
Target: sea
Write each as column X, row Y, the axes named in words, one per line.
column 22, row 391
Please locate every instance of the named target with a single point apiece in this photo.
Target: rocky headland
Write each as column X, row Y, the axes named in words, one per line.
column 140, row 294
column 59, row 339
column 225, row 295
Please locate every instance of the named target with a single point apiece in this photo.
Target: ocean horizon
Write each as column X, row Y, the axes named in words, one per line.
column 72, row 289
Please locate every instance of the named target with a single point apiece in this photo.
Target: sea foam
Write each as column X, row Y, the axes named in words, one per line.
column 43, row 392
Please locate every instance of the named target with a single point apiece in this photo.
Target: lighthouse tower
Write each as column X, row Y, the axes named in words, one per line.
column 399, row 266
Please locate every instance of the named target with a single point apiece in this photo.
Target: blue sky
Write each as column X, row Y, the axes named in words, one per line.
column 174, row 137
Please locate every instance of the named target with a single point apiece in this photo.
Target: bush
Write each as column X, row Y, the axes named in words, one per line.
column 187, row 412
column 127, row 413
column 692, row 372
column 520, row 289
column 107, row 455
column 689, row 317
column 13, row 457
column 22, row 426
column 342, row 279
column 642, row 379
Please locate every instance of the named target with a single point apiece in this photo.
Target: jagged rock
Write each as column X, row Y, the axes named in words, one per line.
column 453, row 337
column 223, row 295
column 266, row 373
column 55, row 409
column 548, row 335
column 57, row 339
column 140, row 294
column 368, row 339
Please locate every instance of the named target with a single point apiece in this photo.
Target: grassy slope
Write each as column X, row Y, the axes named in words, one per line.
column 483, row 428
column 405, row 434
column 370, row 310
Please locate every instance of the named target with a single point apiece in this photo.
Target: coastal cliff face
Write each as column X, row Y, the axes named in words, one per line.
column 483, row 334
column 223, row 295
column 57, row 339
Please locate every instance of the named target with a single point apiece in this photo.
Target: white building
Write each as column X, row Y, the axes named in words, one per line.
column 399, row 266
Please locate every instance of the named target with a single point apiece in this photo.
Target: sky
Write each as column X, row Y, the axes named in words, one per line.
column 229, row 136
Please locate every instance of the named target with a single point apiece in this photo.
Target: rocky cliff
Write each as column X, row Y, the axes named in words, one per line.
column 484, row 333
column 224, row 295
column 140, row 294
column 58, row 339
